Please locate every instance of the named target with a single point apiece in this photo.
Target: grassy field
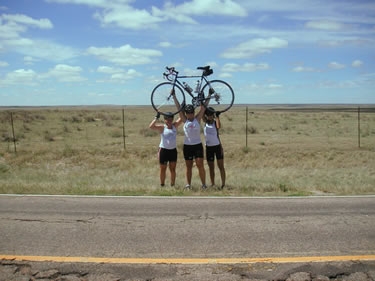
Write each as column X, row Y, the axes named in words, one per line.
column 288, row 151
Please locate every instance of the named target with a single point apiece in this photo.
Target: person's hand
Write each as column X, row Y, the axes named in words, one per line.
column 217, row 113
column 157, row 116
column 173, row 92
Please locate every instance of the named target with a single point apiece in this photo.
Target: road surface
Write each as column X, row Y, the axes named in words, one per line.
column 186, row 228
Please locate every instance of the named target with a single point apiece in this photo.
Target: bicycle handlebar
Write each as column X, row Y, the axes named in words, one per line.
column 171, row 71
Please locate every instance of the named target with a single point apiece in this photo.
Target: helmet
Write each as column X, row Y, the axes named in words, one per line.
column 168, row 115
column 209, row 111
column 189, row 108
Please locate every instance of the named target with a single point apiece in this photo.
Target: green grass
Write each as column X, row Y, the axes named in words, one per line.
column 287, row 151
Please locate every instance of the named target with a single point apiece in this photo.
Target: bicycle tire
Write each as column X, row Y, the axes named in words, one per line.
column 162, row 101
column 223, row 97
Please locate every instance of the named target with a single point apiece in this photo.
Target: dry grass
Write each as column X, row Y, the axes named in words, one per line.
column 290, row 151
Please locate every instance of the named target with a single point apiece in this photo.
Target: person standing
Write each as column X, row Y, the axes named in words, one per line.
column 214, row 147
column 167, row 153
column 193, row 147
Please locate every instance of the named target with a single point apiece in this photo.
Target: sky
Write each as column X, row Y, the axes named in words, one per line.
column 99, row 52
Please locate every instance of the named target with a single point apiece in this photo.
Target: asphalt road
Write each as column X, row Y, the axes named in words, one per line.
column 188, row 228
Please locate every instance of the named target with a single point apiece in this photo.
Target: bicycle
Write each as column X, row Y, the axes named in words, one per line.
column 217, row 94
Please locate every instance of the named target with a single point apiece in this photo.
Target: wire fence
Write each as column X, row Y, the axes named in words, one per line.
column 127, row 128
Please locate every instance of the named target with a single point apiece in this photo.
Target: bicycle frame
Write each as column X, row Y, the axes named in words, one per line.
column 201, row 78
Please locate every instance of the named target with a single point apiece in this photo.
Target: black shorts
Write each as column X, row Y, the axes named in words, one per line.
column 193, row 151
column 212, row 151
column 167, row 155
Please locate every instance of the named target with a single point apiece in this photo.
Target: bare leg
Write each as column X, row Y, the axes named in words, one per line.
column 202, row 171
column 220, row 164
column 211, row 166
column 163, row 170
column 172, row 169
column 189, row 170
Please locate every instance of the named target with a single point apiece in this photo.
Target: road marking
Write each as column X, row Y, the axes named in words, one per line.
column 187, row 260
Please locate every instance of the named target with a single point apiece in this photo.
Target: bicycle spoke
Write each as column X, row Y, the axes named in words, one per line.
column 162, row 100
column 219, row 94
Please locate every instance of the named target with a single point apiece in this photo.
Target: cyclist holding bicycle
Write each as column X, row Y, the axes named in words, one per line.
column 213, row 145
column 193, row 147
column 168, row 146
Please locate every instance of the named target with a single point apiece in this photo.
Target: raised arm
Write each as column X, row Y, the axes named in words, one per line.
column 182, row 112
column 218, row 123
column 200, row 114
column 154, row 126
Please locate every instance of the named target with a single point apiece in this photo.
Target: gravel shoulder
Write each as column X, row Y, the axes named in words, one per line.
column 29, row 271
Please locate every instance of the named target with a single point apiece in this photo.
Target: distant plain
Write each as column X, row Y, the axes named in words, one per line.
column 280, row 150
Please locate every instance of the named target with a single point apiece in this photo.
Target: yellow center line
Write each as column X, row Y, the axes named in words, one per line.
column 187, row 260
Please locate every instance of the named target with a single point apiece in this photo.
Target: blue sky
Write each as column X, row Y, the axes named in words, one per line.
column 88, row 52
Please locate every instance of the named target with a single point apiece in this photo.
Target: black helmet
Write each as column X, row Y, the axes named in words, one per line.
column 189, row 109
column 209, row 111
column 168, row 115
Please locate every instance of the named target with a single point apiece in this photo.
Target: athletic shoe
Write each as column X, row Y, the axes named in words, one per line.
column 187, row 186
column 204, row 186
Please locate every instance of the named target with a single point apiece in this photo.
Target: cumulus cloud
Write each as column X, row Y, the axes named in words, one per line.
column 122, row 14
column 118, row 75
column 3, row 64
column 304, row 69
column 246, row 67
column 12, row 29
column 357, row 63
column 26, row 20
column 65, row 73
column 328, row 25
column 124, row 55
column 20, row 77
column 254, row 48
column 336, row 65
column 165, row 44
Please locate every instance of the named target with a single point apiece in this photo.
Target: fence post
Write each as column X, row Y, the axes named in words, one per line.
column 247, row 117
column 359, row 127
column 123, row 127
column 13, row 136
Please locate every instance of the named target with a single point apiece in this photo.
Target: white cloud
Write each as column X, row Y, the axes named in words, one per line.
column 336, row 65
column 117, row 75
column 165, row 44
column 127, row 17
column 20, row 77
column 357, row 63
column 28, row 60
column 275, row 86
column 12, row 28
column 124, row 55
column 246, row 67
column 208, row 7
column 328, row 25
column 122, row 14
column 121, row 77
column 254, row 48
column 109, row 69
column 3, row 64
column 26, row 20
column 304, row 69
column 65, row 73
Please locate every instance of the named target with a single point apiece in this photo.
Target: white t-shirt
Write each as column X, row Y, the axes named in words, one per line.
column 168, row 138
column 192, row 131
column 211, row 134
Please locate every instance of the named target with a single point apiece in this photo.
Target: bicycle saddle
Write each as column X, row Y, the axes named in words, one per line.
column 206, row 70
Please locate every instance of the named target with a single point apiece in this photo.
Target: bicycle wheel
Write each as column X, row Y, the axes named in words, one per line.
column 222, row 95
column 162, row 100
